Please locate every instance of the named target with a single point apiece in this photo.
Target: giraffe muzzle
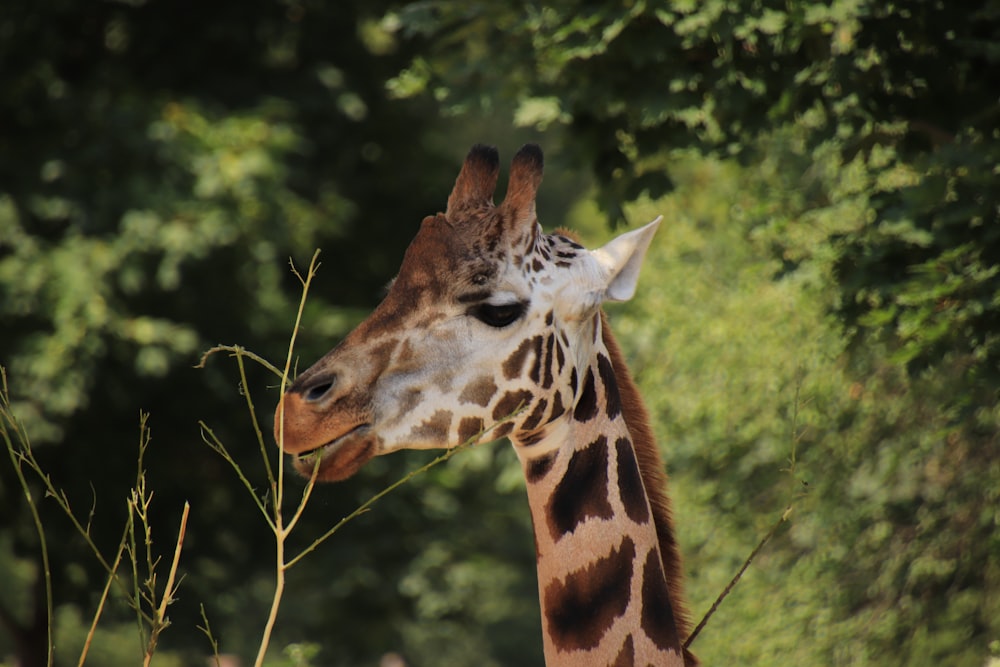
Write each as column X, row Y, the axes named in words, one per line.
column 333, row 443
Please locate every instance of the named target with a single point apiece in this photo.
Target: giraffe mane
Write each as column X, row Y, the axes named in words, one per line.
column 654, row 479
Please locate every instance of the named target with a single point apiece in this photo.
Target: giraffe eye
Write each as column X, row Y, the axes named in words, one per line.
column 497, row 316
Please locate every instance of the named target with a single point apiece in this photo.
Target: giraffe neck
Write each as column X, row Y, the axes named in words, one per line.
column 605, row 595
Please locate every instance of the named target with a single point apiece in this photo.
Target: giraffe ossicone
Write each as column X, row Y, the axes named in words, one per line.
column 489, row 314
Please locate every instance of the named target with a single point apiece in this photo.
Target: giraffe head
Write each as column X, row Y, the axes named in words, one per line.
column 486, row 316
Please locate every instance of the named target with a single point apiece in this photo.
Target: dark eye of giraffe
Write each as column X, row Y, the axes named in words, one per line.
column 497, row 315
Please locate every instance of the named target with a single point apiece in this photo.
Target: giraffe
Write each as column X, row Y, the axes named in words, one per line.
column 489, row 314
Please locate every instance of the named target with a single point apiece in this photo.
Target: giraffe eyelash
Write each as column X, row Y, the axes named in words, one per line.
column 498, row 316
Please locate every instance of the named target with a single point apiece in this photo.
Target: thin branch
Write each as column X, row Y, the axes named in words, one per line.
column 306, row 493
column 279, row 487
column 209, row 438
column 93, row 506
column 207, row 631
column 732, row 582
column 170, row 589
column 17, row 455
column 103, row 599
column 272, row 615
column 135, row 594
column 794, row 437
column 160, row 621
column 25, row 454
column 253, row 417
column 306, row 282
column 235, row 350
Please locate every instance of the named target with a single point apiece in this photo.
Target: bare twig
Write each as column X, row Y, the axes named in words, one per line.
column 160, row 620
column 104, row 596
column 275, row 479
column 19, row 453
column 253, row 417
column 210, row 439
column 736, row 578
column 235, row 350
column 794, row 436
column 278, row 485
column 207, row 631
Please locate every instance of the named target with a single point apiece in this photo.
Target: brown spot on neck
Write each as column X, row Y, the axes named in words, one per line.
column 612, row 398
column 586, row 404
column 582, row 607
column 583, row 490
column 537, row 468
column 557, row 406
column 630, row 489
column 548, row 378
column 657, row 613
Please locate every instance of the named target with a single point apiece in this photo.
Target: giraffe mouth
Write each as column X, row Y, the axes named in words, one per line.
column 339, row 458
column 329, row 447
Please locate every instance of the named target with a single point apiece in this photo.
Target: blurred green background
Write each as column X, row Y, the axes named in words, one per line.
column 817, row 325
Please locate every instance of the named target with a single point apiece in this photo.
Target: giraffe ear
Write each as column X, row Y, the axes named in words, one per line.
column 476, row 182
column 525, row 177
column 621, row 259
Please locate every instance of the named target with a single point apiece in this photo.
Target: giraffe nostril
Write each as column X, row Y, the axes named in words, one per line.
column 318, row 391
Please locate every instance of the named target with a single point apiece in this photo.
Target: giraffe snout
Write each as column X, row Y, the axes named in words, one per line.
column 331, row 444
